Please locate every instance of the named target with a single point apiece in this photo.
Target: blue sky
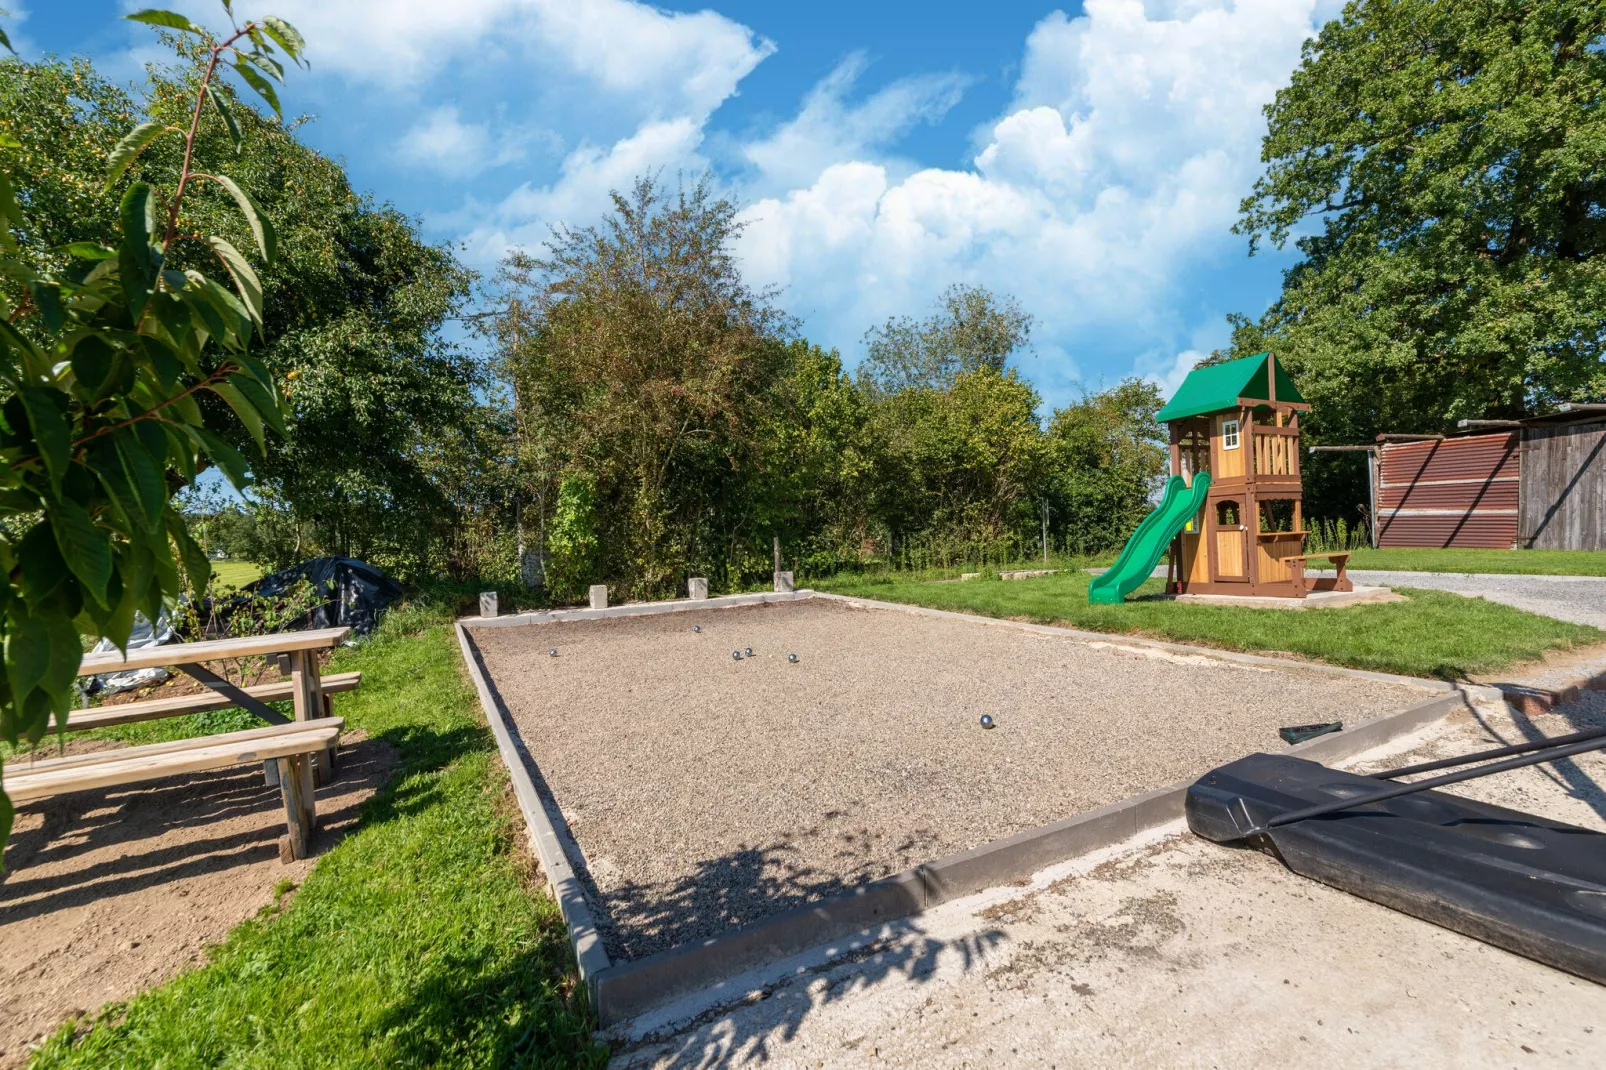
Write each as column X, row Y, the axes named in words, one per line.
column 1087, row 159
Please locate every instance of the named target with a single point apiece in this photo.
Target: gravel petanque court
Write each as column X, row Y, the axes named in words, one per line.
column 706, row 792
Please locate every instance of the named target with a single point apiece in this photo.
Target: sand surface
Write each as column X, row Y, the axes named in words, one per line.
column 111, row 891
column 706, row 792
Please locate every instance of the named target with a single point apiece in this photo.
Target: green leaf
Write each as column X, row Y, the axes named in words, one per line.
column 138, row 263
column 170, row 19
column 261, row 227
column 263, row 87
column 261, row 398
column 194, row 558
column 132, row 145
column 215, row 95
column 289, row 39
column 245, row 276
column 51, row 435
column 66, row 653
column 86, row 548
column 43, row 570
column 263, row 62
column 27, row 653
column 48, row 299
column 6, row 41
column 223, row 455
column 245, row 411
column 145, row 475
column 85, row 250
column 92, row 363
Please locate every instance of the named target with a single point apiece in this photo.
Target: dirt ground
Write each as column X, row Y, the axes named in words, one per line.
column 1171, row 951
column 705, row 792
column 111, row 891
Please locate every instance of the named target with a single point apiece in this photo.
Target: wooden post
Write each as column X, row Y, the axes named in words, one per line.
column 294, row 787
column 306, row 691
column 777, row 553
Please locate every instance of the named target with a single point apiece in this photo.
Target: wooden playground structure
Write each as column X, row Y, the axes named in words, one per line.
column 1239, row 422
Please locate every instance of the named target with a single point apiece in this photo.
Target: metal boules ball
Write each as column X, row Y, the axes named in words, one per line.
column 696, row 627
column 792, row 658
column 554, row 652
column 987, row 720
column 737, row 654
column 748, row 652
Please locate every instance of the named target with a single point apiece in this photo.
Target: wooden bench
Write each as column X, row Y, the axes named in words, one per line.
column 177, row 705
column 293, row 746
column 1296, row 568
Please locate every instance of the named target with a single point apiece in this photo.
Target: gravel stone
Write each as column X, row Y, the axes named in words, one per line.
column 706, row 794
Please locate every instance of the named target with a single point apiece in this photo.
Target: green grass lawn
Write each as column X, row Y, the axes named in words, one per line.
column 418, row 940
column 1433, row 634
column 236, row 573
column 1517, row 562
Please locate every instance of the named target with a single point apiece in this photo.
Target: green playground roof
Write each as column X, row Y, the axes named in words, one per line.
column 1219, row 387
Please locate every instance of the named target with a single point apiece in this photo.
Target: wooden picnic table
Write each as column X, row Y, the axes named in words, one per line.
column 296, row 755
column 306, row 685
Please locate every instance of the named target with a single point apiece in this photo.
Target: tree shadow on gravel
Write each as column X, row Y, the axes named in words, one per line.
column 728, row 1036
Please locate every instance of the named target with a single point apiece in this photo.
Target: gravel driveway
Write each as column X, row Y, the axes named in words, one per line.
column 1580, row 599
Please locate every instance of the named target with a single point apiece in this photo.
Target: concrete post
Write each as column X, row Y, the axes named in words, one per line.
column 783, row 581
column 487, row 603
column 599, row 596
column 697, row 588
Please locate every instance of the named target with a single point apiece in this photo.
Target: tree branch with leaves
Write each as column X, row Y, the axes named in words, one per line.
column 102, row 365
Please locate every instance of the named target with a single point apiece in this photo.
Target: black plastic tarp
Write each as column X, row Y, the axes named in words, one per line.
column 356, row 592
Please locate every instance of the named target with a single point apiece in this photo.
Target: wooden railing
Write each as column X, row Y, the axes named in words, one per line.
column 1276, row 453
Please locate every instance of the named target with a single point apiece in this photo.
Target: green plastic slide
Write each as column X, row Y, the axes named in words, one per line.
column 1143, row 550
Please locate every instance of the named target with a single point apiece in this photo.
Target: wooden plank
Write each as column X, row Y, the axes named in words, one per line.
column 211, row 650
column 128, row 767
column 153, row 709
column 17, row 765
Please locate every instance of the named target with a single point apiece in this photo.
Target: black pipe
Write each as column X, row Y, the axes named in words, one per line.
column 1397, row 790
column 1498, row 752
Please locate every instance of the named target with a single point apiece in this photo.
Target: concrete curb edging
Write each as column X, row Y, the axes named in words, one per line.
column 1118, row 639
column 623, row 990
column 635, row 609
column 589, row 952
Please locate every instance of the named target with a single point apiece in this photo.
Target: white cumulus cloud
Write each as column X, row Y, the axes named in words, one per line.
column 443, row 142
column 1116, row 173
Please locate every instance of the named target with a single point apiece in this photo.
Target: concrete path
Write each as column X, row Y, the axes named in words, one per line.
column 1579, row 599
column 1171, row 951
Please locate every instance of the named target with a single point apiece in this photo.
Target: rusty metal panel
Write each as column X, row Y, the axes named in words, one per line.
column 1494, row 494
column 1491, row 531
column 1474, row 457
column 1450, row 492
column 1564, row 487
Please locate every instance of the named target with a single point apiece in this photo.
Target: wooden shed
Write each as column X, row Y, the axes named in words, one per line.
column 1535, row 484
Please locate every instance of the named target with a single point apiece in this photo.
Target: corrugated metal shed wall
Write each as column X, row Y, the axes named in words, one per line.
column 1450, row 492
column 1564, row 487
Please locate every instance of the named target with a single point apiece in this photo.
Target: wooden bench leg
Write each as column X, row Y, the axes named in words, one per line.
column 1342, row 583
column 295, row 786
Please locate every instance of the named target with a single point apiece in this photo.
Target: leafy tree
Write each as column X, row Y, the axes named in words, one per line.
column 1441, row 167
column 645, row 370
column 973, row 329
column 353, row 303
column 1107, row 453
column 104, row 366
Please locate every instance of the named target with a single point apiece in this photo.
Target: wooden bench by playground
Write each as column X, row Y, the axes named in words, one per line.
column 298, row 753
column 1340, row 582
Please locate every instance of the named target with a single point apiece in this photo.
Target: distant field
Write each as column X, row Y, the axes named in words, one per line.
column 1516, row 562
column 236, row 573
